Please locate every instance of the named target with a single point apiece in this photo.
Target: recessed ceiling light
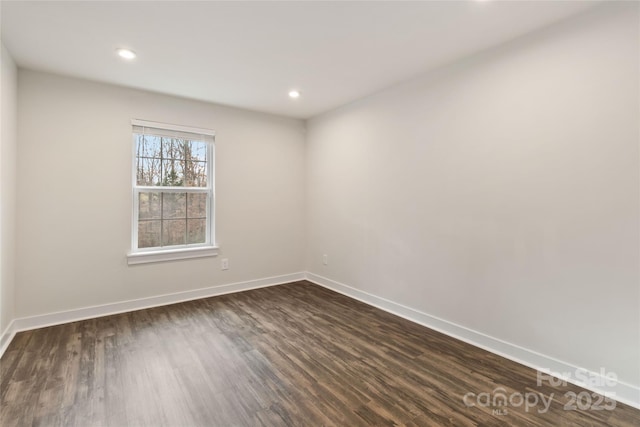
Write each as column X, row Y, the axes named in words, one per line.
column 126, row 54
column 294, row 94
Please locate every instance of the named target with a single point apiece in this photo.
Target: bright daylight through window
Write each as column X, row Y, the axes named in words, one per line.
column 172, row 192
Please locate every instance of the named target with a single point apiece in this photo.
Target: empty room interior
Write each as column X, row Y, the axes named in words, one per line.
column 369, row 213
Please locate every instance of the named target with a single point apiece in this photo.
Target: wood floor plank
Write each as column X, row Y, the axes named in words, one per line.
column 291, row 355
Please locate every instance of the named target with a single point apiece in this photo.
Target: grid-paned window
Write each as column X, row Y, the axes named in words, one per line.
column 172, row 188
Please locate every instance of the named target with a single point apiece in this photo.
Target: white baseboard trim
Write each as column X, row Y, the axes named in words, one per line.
column 621, row 391
column 7, row 337
column 51, row 319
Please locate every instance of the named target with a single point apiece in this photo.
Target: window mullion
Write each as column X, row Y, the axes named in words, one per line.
column 172, row 189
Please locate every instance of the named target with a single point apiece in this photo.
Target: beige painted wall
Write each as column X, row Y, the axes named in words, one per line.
column 74, row 185
column 8, row 155
column 500, row 193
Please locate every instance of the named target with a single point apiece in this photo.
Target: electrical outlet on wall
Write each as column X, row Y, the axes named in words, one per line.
column 325, row 259
column 224, row 263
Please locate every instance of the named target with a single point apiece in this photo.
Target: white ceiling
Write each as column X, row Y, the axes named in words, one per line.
column 249, row 54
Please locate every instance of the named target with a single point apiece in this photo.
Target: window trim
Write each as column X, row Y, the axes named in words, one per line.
column 173, row 252
column 134, row 258
column 169, row 126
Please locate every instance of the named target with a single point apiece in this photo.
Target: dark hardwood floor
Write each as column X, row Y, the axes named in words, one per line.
column 296, row 355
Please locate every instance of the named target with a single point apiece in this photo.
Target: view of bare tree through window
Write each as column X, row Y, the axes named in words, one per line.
column 168, row 216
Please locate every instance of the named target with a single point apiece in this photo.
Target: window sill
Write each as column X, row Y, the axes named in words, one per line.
column 171, row 255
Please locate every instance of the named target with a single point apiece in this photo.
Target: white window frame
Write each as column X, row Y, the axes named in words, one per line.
column 174, row 252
